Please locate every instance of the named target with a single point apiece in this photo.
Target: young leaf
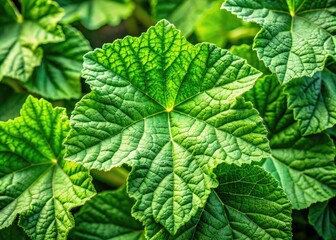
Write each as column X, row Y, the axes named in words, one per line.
column 297, row 35
column 95, row 13
column 35, row 181
column 107, row 216
column 172, row 111
column 248, row 204
column 21, row 35
column 58, row 76
column 303, row 165
column 183, row 14
column 314, row 101
column 323, row 218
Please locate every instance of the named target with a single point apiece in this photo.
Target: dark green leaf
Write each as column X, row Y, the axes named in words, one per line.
column 248, row 204
column 313, row 101
column 22, row 35
column 107, row 216
column 58, row 76
column 303, row 165
column 323, row 217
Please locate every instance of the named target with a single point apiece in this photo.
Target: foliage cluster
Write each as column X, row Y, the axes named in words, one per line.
column 164, row 133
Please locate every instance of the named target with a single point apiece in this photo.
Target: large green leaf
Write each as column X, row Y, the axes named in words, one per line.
column 184, row 14
column 21, row 35
column 304, row 165
column 210, row 27
column 172, row 111
column 323, row 217
column 58, row 76
column 248, row 204
column 95, row 13
column 314, row 101
column 107, row 216
column 297, row 35
column 35, row 181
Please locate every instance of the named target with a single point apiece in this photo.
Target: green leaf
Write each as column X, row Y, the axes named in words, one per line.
column 183, row 14
column 210, row 27
column 93, row 14
column 313, row 101
column 107, row 216
column 248, row 204
column 297, row 35
column 58, row 76
column 10, row 102
column 172, row 111
column 21, row 36
column 35, row 181
column 13, row 232
column 303, row 165
column 323, row 218
column 245, row 51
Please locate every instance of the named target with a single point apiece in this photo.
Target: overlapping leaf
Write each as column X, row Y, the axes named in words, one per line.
column 313, row 101
column 13, row 232
column 323, row 217
column 107, row 216
column 297, row 35
column 22, row 34
column 246, row 196
column 95, row 13
column 248, row 204
column 303, row 165
column 10, row 102
column 58, row 76
column 35, row 181
column 245, row 51
column 172, row 111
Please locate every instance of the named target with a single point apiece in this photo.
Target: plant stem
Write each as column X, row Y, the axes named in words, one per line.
column 142, row 16
column 241, row 32
column 116, row 177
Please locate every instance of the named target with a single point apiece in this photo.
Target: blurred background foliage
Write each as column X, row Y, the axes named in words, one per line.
column 88, row 24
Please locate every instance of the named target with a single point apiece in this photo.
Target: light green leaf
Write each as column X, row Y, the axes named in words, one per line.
column 95, row 13
column 323, row 218
column 245, row 51
column 303, row 165
column 22, row 35
column 107, row 216
column 297, row 35
column 172, row 111
column 183, row 14
column 313, row 101
column 210, row 27
column 10, row 102
column 35, row 181
column 58, row 76
column 248, row 204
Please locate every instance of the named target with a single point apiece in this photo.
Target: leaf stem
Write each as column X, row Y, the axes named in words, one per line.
column 143, row 16
column 116, row 177
column 242, row 32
